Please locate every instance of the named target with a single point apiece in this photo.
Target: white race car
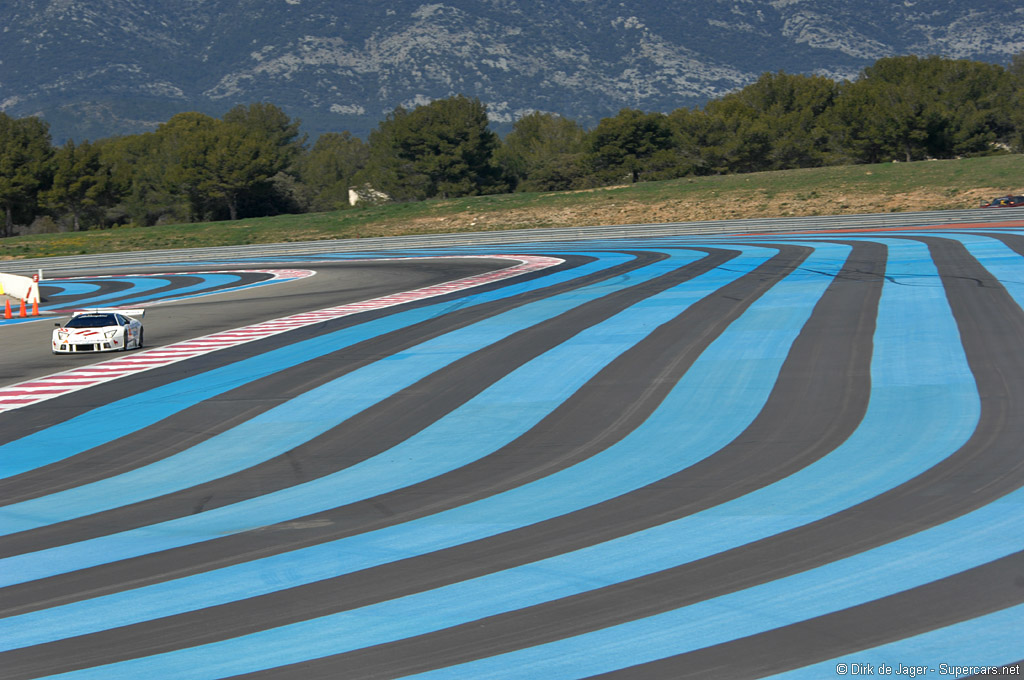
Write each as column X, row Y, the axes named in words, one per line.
column 99, row 330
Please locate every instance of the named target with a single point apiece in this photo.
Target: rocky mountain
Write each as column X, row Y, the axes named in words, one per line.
column 103, row 67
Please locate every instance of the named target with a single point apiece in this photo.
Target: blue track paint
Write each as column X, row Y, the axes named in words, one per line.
column 117, row 419
column 282, row 428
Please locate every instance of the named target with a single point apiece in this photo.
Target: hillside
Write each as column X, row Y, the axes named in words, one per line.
column 118, row 66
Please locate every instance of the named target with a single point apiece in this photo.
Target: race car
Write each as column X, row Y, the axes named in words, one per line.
column 1005, row 202
column 99, row 330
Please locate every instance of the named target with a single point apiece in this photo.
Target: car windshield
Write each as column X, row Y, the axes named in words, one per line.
column 92, row 321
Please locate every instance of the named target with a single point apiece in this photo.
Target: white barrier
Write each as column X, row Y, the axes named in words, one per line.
column 19, row 287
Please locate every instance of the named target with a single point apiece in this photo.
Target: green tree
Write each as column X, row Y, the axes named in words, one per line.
column 443, row 149
column 137, row 165
column 792, row 109
column 328, row 169
column 82, row 185
column 695, row 133
column 217, row 164
column 25, row 153
column 185, row 143
column 911, row 108
column 270, row 122
column 543, row 152
column 1016, row 65
column 735, row 137
column 633, row 144
column 239, row 160
column 977, row 100
column 774, row 123
column 1015, row 117
column 282, row 145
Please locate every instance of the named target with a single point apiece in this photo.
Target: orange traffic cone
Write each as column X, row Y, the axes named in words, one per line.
column 7, row 309
column 22, row 313
column 35, row 308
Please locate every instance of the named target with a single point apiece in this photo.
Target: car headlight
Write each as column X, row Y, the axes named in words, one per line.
column 62, row 336
column 110, row 334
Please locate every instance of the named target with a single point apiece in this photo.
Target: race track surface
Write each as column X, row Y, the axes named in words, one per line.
column 793, row 456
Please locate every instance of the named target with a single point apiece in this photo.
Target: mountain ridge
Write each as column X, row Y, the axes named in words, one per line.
column 113, row 67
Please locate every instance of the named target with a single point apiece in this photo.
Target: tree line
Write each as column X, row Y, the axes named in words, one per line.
column 254, row 161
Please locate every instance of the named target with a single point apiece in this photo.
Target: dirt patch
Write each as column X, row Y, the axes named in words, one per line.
column 694, row 210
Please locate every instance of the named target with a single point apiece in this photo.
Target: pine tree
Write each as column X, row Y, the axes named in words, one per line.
column 24, row 165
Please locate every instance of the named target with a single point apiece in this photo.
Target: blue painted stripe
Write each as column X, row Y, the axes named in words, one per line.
column 274, row 432
column 208, row 281
column 123, row 417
